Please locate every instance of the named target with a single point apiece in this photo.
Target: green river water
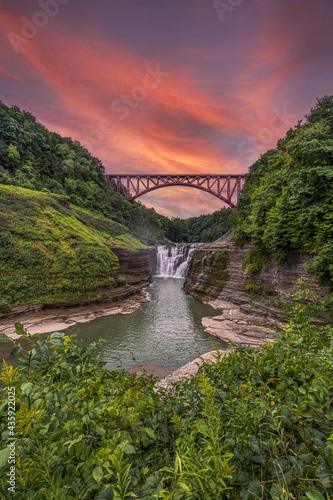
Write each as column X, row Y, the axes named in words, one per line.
column 166, row 330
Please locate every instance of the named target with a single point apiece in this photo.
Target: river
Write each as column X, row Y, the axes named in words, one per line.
column 166, row 330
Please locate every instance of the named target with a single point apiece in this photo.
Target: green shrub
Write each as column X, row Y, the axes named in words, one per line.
column 4, row 306
column 258, row 423
column 221, row 258
column 253, row 261
column 253, row 286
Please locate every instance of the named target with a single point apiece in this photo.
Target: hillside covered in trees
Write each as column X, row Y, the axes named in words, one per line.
column 54, row 254
column 287, row 199
column 211, row 227
column 34, row 158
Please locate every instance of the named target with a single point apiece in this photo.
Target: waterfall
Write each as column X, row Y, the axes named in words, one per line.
column 172, row 260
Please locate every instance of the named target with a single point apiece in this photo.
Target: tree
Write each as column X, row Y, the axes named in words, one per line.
column 13, row 156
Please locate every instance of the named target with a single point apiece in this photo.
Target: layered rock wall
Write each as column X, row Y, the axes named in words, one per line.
column 212, row 276
column 216, row 275
column 135, row 268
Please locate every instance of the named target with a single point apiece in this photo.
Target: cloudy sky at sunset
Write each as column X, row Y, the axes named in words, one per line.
column 168, row 86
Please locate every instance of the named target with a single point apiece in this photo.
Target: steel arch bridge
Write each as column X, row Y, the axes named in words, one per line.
column 225, row 187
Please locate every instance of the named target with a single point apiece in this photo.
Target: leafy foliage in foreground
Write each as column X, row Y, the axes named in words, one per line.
column 52, row 254
column 286, row 202
column 257, row 424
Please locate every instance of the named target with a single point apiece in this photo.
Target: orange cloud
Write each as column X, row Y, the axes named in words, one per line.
column 165, row 130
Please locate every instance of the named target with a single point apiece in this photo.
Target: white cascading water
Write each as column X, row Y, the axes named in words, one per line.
column 172, row 260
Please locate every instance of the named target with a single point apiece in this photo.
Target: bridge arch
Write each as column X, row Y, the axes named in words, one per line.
column 225, row 187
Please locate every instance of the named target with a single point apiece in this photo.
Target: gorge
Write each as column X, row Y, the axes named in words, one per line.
column 166, row 330
column 78, row 257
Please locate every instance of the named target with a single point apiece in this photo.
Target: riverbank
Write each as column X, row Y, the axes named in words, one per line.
column 58, row 319
column 242, row 324
column 191, row 368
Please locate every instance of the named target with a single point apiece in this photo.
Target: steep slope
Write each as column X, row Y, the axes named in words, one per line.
column 210, row 227
column 284, row 231
column 32, row 157
column 53, row 252
column 250, row 302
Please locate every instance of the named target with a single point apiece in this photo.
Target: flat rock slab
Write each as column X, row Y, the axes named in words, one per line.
column 235, row 325
column 57, row 319
column 191, row 368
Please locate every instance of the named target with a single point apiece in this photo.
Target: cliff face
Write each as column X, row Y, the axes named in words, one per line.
column 216, row 276
column 216, row 270
column 135, row 268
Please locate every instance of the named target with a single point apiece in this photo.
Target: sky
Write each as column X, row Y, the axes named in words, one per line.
column 168, row 86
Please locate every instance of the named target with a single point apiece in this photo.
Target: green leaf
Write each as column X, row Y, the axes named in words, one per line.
column 4, row 455
column 150, row 433
column 57, row 342
column 3, row 408
column 184, row 487
column 276, row 492
column 150, row 485
column 19, row 329
column 106, row 493
column 16, row 349
column 27, row 388
column 202, row 427
column 126, row 447
column 5, row 338
column 98, row 473
column 56, row 335
column 44, row 350
column 314, row 495
column 37, row 402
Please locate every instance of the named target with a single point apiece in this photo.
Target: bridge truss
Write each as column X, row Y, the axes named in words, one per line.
column 225, row 187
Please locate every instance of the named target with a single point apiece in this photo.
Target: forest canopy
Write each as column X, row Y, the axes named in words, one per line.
column 286, row 202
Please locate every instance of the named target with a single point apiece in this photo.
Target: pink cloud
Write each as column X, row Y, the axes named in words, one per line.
column 194, row 117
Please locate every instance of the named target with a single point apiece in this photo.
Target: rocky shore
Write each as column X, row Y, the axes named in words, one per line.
column 169, row 374
column 57, row 319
